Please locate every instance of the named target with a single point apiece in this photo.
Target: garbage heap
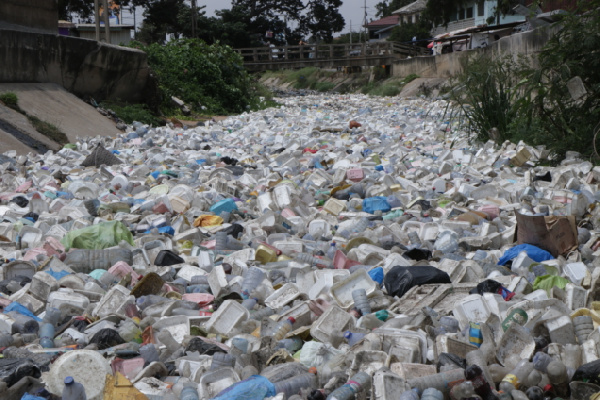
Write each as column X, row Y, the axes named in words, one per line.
column 335, row 247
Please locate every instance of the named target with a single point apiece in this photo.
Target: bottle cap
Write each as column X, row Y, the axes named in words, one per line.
column 69, row 380
column 548, row 388
column 292, row 320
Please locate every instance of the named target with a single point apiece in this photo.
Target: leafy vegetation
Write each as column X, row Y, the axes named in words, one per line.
column 556, row 104
column 10, row 100
column 133, row 112
column 210, row 78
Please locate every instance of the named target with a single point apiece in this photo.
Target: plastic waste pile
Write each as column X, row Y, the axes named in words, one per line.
column 334, row 247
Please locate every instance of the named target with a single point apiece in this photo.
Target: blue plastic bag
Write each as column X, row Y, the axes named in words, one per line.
column 28, row 396
column 256, row 387
column 223, row 205
column 165, row 229
column 57, row 274
column 533, row 252
column 377, row 275
column 376, row 203
column 21, row 309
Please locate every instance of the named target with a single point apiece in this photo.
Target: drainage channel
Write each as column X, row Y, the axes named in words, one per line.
column 23, row 138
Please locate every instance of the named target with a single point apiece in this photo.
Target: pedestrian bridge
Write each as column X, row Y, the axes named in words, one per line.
column 327, row 55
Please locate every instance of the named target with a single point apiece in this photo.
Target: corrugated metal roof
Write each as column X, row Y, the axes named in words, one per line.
column 385, row 21
column 413, row 7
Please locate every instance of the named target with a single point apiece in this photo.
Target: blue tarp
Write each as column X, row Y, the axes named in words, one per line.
column 533, row 252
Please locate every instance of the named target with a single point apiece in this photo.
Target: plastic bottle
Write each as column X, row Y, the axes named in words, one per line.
column 331, row 251
column 250, row 303
column 312, row 260
column 447, row 242
column 292, row 344
column 353, row 338
column 409, row 395
column 253, row 277
column 541, row 361
column 283, row 328
column 583, row 327
column 359, row 381
column 474, row 374
column 293, row 385
column 535, row 393
column 107, row 280
column 557, row 373
column 85, row 260
column 73, row 390
column 478, row 358
column 439, row 381
column 432, row 394
column 222, row 360
column 47, row 335
column 462, row 390
column 53, row 316
column 516, row 377
column 262, row 313
column 189, row 392
column 414, row 239
column 361, row 302
column 149, row 353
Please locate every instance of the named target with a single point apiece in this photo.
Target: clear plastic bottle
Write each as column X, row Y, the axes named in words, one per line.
column 149, row 353
column 331, row 251
column 353, row 338
column 516, row 377
column 73, row 390
column 361, row 302
column 409, row 395
column 432, row 394
column 283, row 328
column 189, row 392
column 557, row 373
column 475, row 375
column 359, row 381
column 414, row 239
column 293, row 385
column 222, row 360
column 249, row 304
column 462, row 390
column 262, row 313
column 292, row 344
column 541, row 361
column 312, row 260
column 253, row 277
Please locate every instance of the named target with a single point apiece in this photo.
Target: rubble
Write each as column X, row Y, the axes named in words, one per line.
column 334, row 247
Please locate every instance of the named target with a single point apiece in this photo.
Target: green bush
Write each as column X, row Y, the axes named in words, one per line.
column 133, row 112
column 10, row 99
column 48, row 130
column 202, row 75
column 324, row 86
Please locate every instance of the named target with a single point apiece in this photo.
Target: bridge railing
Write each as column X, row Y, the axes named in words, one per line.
column 324, row 51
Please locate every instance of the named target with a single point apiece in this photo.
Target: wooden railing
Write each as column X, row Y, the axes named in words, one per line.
column 313, row 52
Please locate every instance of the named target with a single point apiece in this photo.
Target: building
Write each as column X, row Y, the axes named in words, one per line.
column 411, row 13
column 381, row 29
column 476, row 13
column 119, row 34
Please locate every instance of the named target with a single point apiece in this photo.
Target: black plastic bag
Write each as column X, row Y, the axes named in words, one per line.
column 106, row 338
column 589, row 372
column 417, row 254
column 20, row 201
column 452, row 360
column 12, row 370
column 166, row 258
column 202, row 347
column 234, row 230
column 401, row 279
column 487, row 286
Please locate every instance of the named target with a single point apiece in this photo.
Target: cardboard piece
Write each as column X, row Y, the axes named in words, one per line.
column 555, row 234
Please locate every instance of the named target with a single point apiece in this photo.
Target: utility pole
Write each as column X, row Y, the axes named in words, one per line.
column 194, row 16
column 106, row 22
column 364, row 25
column 97, row 19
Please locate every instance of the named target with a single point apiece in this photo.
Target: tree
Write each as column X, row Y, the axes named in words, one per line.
column 162, row 17
column 66, row 9
column 405, row 32
column 385, row 8
column 319, row 18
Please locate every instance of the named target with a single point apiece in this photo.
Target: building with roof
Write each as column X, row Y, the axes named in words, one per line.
column 411, row 13
column 381, row 29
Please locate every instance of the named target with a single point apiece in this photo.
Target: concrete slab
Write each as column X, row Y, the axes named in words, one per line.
column 52, row 103
column 17, row 133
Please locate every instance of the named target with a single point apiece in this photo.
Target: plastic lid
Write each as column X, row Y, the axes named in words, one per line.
column 69, row 380
column 292, row 320
column 347, row 334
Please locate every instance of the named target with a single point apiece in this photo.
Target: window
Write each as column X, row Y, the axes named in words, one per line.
column 461, row 13
column 470, row 12
column 480, row 10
